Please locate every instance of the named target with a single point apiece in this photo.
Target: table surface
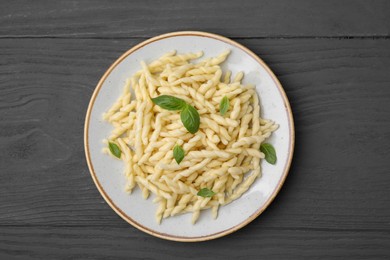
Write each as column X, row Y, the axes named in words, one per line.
column 332, row 58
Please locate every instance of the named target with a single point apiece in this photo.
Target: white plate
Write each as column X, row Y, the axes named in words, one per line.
column 108, row 173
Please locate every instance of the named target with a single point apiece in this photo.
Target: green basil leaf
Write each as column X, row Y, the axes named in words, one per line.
column 269, row 152
column 224, row 105
column 206, row 193
column 169, row 102
column 178, row 153
column 114, row 149
column 190, row 118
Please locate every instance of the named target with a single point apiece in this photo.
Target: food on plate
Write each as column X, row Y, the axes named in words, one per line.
column 189, row 134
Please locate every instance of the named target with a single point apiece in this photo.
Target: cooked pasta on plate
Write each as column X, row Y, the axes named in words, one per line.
column 190, row 133
column 199, row 126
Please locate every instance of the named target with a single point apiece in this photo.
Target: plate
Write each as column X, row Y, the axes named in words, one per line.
column 108, row 175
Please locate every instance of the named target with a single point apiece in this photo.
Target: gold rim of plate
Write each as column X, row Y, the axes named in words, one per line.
column 231, row 229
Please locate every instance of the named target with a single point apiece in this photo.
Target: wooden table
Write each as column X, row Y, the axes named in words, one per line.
column 333, row 59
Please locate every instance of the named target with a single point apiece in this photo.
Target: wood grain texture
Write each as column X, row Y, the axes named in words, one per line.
column 340, row 98
column 123, row 243
column 146, row 18
column 335, row 202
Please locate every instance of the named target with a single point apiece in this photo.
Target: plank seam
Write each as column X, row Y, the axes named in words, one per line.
column 304, row 229
column 341, row 37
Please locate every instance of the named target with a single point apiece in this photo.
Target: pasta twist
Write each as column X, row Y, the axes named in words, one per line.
column 174, row 59
column 202, row 70
column 224, row 121
column 246, row 141
column 208, row 154
column 200, row 98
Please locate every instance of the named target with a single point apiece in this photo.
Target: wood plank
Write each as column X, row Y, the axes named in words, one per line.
column 339, row 90
column 122, row 243
column 146, row 18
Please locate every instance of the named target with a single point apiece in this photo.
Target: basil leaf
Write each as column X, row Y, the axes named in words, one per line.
column 206, row 193
column 114, row 149
column 224, row 105
column 169, row 102
column 190, row 118
column 269, row 152
column 178, row 153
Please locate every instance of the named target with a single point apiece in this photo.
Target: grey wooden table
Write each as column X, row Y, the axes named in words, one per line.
column 333, row 59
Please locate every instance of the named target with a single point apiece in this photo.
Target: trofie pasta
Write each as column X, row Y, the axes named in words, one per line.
column 221, row 151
